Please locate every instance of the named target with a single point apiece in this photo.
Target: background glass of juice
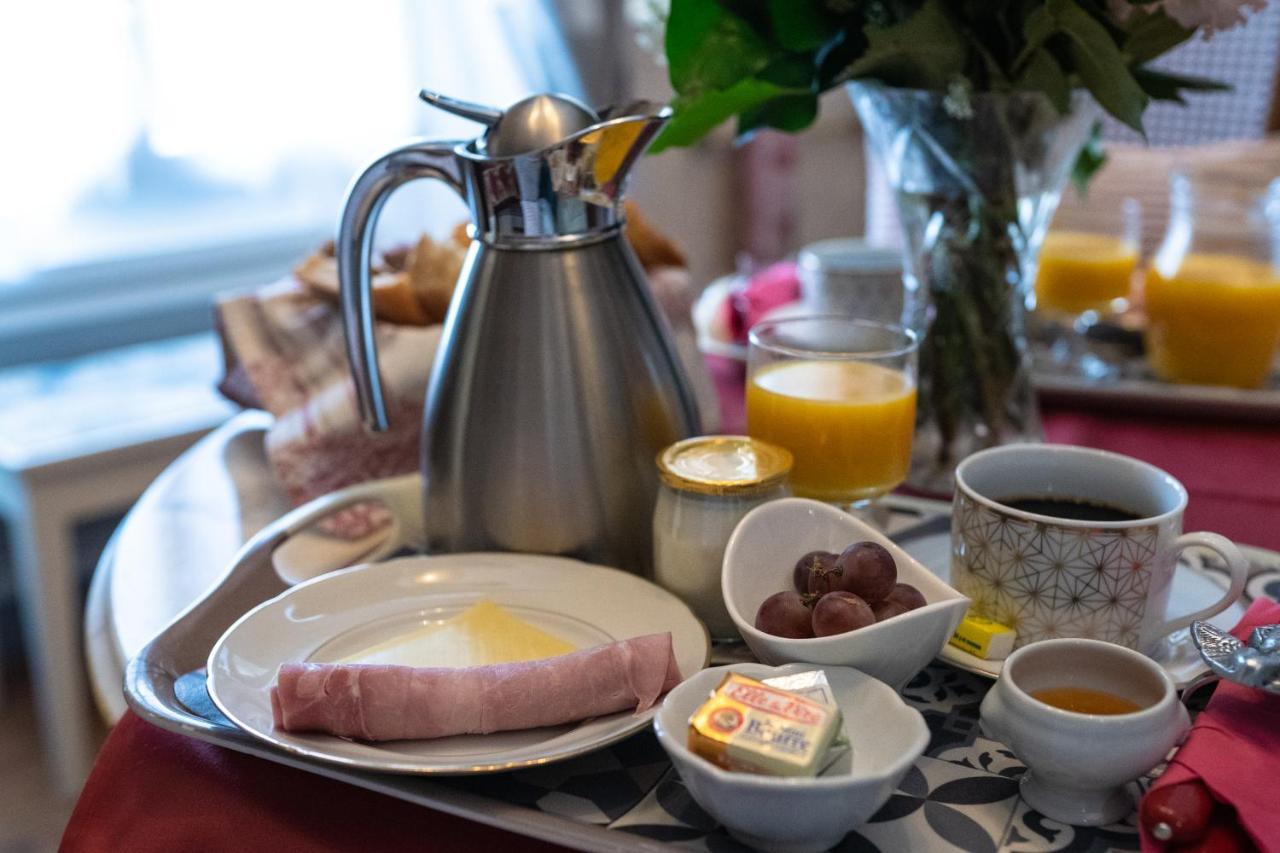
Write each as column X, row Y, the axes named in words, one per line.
column 1212, row 295
column 840, row 394
column 1085, row 273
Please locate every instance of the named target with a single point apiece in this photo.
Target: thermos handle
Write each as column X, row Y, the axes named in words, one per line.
column 419, row 159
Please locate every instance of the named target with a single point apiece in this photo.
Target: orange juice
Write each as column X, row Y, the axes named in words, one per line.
column 1082, row 272
column 1215, row 322
column 849, row 424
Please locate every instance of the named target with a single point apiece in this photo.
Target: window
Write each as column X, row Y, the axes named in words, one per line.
column 158, row 152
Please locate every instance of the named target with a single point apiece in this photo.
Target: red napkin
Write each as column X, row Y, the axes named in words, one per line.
column 1233, row 748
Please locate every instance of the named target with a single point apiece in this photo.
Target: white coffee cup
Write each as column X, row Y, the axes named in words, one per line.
column 1049, row 577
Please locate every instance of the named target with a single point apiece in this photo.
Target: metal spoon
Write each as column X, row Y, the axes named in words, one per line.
column 1253, row 664
column 527, row 125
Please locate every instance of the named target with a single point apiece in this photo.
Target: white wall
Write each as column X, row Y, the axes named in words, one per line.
column 690, row 193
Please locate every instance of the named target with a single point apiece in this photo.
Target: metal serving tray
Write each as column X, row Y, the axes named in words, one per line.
column 625, row 797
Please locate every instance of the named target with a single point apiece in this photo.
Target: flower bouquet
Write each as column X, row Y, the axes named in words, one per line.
column 980, row 111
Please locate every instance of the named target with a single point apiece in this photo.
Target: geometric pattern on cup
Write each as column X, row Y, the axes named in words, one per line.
column 1045, row 581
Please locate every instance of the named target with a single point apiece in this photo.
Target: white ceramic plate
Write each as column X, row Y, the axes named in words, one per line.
column 341, row 613
column 1192, row 586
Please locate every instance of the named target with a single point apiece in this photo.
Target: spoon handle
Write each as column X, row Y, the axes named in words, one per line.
column 1204, row 680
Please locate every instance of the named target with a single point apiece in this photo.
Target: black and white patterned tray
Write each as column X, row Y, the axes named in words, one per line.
column 961, row 795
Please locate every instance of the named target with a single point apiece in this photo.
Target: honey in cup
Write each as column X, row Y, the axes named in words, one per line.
column 1085, row 700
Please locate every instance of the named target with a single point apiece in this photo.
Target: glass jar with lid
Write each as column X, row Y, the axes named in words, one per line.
column 1212, row 293
column 708, row 484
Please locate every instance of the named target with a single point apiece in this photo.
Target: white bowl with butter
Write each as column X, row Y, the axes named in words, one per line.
column 790, row 814
column 758, row 562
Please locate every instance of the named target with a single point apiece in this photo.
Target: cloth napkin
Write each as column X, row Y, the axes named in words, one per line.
column 1234, row 748
column 285, row 354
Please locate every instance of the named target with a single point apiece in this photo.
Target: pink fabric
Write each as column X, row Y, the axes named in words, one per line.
column 770, row 288
column 380, row 702
column 1233, row 747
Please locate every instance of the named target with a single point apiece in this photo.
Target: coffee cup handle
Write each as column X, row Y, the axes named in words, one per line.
column 1237, row 567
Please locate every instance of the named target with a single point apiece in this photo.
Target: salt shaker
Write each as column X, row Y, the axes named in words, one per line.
column 708, row 484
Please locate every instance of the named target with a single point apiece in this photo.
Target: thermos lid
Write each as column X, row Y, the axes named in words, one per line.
column 723, row 464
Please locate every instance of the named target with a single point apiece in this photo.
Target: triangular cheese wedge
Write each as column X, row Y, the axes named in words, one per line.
column 484, row 633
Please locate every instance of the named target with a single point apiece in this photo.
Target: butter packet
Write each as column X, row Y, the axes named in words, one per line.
column 813, row 685
column 754, row 727
column 983, row 638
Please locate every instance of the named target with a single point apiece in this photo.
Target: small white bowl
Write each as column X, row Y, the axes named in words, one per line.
column 759, row 560
column 799, row 815
column 1078, row 764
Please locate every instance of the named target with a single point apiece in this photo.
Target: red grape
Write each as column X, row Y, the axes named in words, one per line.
column 888, row 609
column 840, row 612
column 784, row 614
column 813, row 563
column 906, row 595
column 865, row 569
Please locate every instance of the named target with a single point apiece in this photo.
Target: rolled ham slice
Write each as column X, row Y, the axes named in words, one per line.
column 378, row 702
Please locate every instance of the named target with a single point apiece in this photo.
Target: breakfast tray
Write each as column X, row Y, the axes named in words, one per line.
column 962, row 794
column 1132, row 387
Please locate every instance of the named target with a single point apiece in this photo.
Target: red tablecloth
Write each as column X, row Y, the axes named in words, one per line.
column 151, row 790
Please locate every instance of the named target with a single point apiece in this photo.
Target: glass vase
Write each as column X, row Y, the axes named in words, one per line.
column 976, row 178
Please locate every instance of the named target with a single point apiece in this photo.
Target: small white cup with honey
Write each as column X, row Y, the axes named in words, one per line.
column 1086, row 717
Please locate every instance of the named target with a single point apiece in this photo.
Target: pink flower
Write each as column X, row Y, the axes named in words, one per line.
column 1208, row 15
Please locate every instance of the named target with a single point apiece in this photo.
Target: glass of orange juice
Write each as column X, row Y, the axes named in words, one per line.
column 1212, row 294
column 840, row 394
column 1085, row 274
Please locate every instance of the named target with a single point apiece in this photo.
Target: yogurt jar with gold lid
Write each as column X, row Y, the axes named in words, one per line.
column 708, row 484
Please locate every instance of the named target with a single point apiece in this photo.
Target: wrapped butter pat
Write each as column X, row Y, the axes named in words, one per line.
column 754, row 727
column 983, row 638
column 813, row 685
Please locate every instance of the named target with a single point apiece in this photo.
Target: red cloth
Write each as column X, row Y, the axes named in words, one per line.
column 152, row 790
column 1233, row 746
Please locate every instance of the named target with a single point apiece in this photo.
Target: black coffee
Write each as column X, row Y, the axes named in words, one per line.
column 1069, row 508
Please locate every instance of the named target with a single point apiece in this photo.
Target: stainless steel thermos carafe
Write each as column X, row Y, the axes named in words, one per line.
column 555, row 385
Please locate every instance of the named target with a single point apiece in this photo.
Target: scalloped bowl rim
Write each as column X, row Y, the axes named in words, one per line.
column 899, row 765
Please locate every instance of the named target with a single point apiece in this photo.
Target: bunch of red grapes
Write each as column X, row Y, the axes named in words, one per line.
column 838, row 593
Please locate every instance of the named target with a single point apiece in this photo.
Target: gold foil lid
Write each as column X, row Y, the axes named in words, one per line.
column 723, row 464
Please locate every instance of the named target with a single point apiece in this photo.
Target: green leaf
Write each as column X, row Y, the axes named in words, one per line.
column 789, row 112
column 1044, row 74
column 1091, row 158
column 1152, row 34
column 1099, row 63
column 1036, row 31
column 710, row 48
column 1165, row 86
column 925, row 51
column 696, row 115
column 801, row 26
